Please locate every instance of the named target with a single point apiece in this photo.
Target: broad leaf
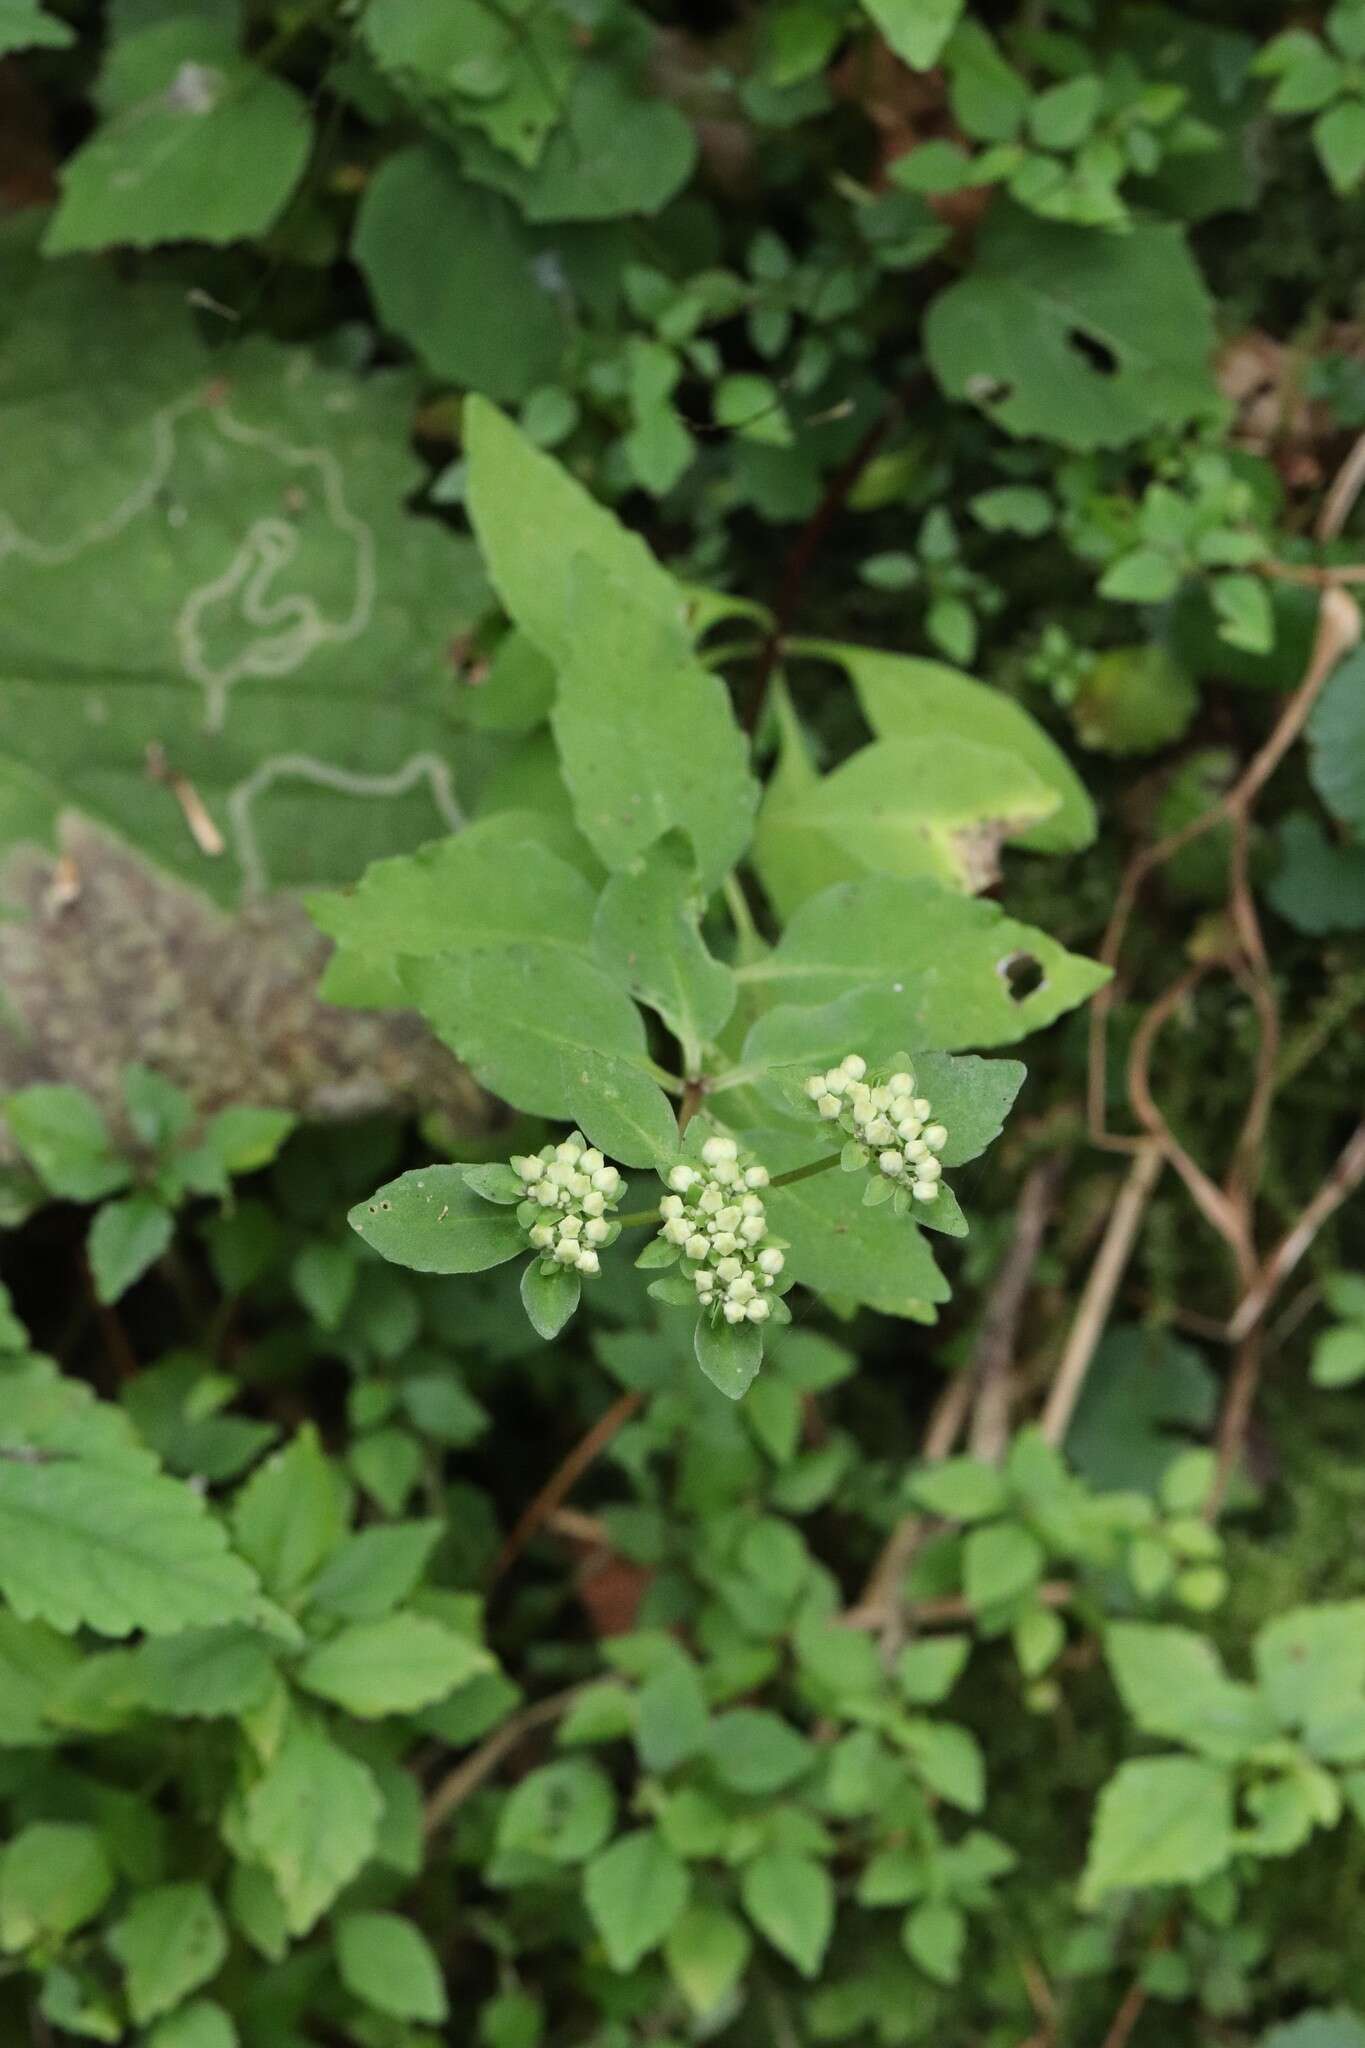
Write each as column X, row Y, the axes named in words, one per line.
column 1173, row 1684
column 790, row 1899
column 954, row 962
column 24, row 25
column 1145, row 1393
column 292, row 1513
column 203, row 1672
column 563, row 1813
column 393, row 1666
column 1311, row 1664
column 431, row 1220
column 553, row 1036
column 730, row 1354
column 170, row 1941
column 504, row 70
column 916, row 29
column 312, row 1818
column 210, row 556
column 65, row 1135
column 126, row 1238
column 1319, row 886
column 907, row 698
column 793, row 858
column 647, row 933
column 1163, row 1820
column 196, row 143
column 384, row 1961
column 54, row 1876
column 374, row 1569
column 706, row 1953
column 454, row 272
column 1020, row 335
column 549, row 1299
column 1336, row 742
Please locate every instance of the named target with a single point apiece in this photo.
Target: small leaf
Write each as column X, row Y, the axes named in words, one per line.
column 730, row 1354
column 549, row 1297
column 63, row 1132
column 706, row 1953
column 393, row 1666
column 312, row 1818
column 1160, row 1820
column 752, row 1750
column 54, row 1876
column 935, row 1934
column 386, row 1963
column 170, row 1941
column 634, row 1892
column 790, row 1899
column 960, row 1489
column 126, row 1238
column 562, row 1813
column 1000, row 1562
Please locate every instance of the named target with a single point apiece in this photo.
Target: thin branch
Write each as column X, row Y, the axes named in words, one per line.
column 879, row 1603
column 1345, row 489
column 1101, row 1286
column 1234, row 1419
column 466, row 1778
column 562, row 1481
column 1339, row 1185
column 994, row 1356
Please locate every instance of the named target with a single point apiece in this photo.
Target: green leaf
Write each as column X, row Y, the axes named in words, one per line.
column 504, row 73
column 615, row 151
column 754, row 1751
column 707, row 1952
column 170, row 1941
column 935, row 1935
column 646, row 735
column 960, row 1489
column 157, row 1110
column 635, row 1891
column 24, row 25
column 1141, row 576
column 1339, row 138
column 1172, row 1683
column 201, row 2024
column 1014, row 335
column 1321, row 2029
column 1000, row 1562
column 562, row 1813
column 647, row 934
column 927, row 1671
column 373, row 1570
column 1318, row 887
column 790, row 1899
column 672, row 1722
column 549, row 1298
column 388, row 1965
column 203, row 1672
column 1339, row 1356
column 555, row 1037
column 1143, row 1389
column 1310, row 1663
column 453, row 271
column 292, row 1514
column 839, row 1248
column 916, row 29
column 534, row 522
column 392, row 1666
column 948, row 961
column 35, row 1664
column 949, row 1760
column 432, row 1221
column 730, row 1354
column 64, row 1134
column 196, row 144
column 1160, row 1820
column 987, row 95
column 941, row 807
column 54, row 1876
column 1336, row 743
column 312, row 1818
column 231, row 573
column 126, row 1238
column 245, row 1137
column 114, row 1546
column 1061, row 117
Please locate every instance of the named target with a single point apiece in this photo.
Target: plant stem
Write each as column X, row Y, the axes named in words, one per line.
column 636, row 1218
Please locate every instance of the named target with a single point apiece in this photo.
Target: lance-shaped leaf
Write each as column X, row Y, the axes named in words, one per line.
column 647, row 933
column 554, row 1036
column 432, row 1220
column 312, row 1818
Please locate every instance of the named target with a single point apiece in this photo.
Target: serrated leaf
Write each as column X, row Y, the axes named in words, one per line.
column 126, row 1237
column 505, row 73
column 555, row 1037
column 454, row 272
column 1172, row 1683
column 65, row 1135
column 115, row 1548
column 385, row 1961
column 432, row 1221
column 562, row 1813
column 170, row 1941
column 203, row 1672
column 312, row 1818
column 1145, row 1390
column 1159, row 1820
column 292, row 1513
column 634, row 1892
column 393, row 1666
column 906, row 698
column 947, row 961
column 790, row 1899
column 196, row 144
column 1016, row 336
column 706, row 1953
column 54, row 1876
column 1000, row 1562
column 374, row 1569
column 647, row 933
column 754, row 1751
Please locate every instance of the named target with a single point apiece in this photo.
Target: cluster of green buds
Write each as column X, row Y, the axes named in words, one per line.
column 715, row 1216
column 886, row 1123
column 571, row 1193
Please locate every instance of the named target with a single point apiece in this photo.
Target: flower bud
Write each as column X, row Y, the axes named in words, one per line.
column 566, row 1251
column 592, row 1161
column 542, row 1237
column 757, row 1310
column 751, row 1206
column 890, row 1163
column 916, row 1149
column 828, row 1106
column 909, row 1127
column 717, row 1149
column 547, row 1194
column 771, row 1261
column 725, row 1242
column 681, row 1178
column 677, row 1230
column 926, row 1191
column 526, row 1168
column 854, row 1066
column 936, row 1137
column 815, row 1086
column 734, row 1311
column 879, row 1132
column 742, row 1289
column 754, row 1229
column 728, row 1270
column 569, row 1152
column 710, row 1200
column 755, row 1176
column 671, row 1205
column 836, row 1081
column 606, row 1180
column 597, row 1230
column 921, row 1107
column 579, row 1186
column 589, row 1263
column 901, row 1084
column 728, row 1218
column 593, row 1204
column 697, row 1247
column 930, row 1169
column 570, row 1226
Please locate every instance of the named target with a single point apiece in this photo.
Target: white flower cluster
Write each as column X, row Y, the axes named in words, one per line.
column 715, row 1216
column 574, row 1191
column 888, row 1120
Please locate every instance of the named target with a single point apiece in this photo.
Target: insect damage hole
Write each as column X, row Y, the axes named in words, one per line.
column 1022, row 975
column 1093, row 351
